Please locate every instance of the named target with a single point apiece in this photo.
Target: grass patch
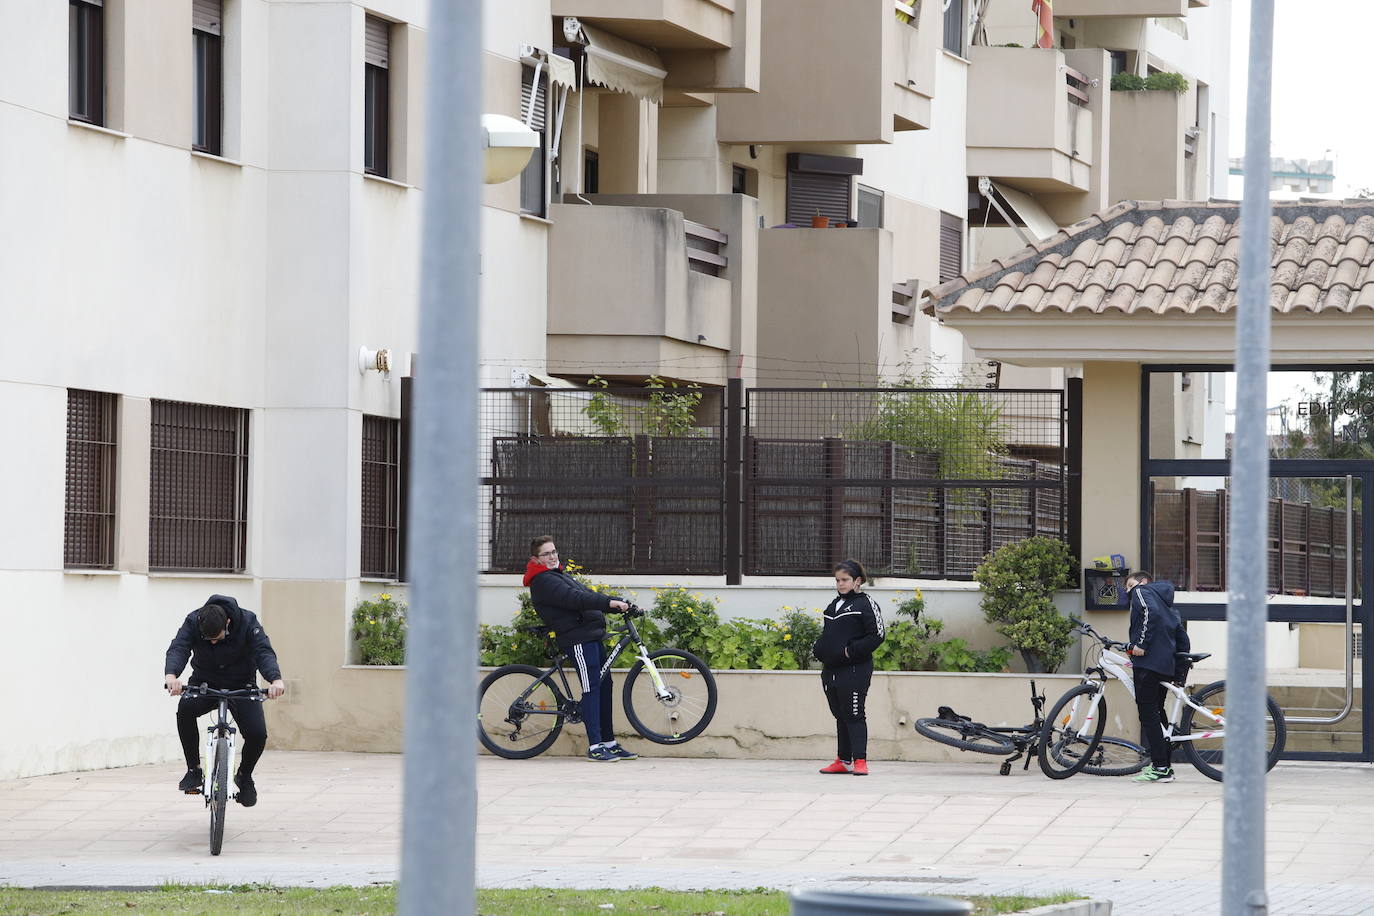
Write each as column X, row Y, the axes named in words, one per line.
column 261, row 900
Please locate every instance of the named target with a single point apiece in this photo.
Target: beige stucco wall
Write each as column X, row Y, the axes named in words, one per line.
column 1145, row 165
column 1111, row 460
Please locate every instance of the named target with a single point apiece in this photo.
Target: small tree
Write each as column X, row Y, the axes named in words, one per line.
column 1018, row 582
column 671, row 409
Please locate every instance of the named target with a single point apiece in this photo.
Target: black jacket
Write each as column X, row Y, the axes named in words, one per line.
column 1156, row 628
column 853, row 622
column 230, row 663
column 576, row 613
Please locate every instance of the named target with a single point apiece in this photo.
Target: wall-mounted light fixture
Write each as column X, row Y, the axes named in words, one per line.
column 375, row 360
column 507, row 145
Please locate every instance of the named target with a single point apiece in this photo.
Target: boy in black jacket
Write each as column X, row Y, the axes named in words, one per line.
column 1156, row 633
column 577, row 616
column 853, row 629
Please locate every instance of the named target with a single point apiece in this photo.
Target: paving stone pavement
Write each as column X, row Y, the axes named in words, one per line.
column 328, row 818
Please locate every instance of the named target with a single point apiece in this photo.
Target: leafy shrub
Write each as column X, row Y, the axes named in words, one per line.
column 1129, row 82
column 1018, row 582
column 379, row 630
column 1168, row 82
column 912, row 645
column 687, row 618
column 805, row 627
column 671, row 409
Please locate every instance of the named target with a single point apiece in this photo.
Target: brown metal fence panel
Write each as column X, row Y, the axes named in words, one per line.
column 88, row 534
column 198, row 510
column 381, row 497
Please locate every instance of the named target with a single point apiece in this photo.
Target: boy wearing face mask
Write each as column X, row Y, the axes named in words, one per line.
column 852, row 630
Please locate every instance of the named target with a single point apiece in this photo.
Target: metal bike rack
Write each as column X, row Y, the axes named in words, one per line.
column 1349, row 617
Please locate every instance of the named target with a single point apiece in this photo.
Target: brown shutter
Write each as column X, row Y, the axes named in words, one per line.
column 88, row 540
column 380, row 497
column 198, row 505
column 378, row 44
column 951, row 247
column 205, row 16
column 810, row 193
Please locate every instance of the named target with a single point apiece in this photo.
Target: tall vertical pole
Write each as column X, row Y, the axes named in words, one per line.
column 439, row 814
column 1242, row 864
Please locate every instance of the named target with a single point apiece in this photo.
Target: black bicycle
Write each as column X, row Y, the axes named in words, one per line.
column 669, row 696
column 1108, row 757
column 219, row 756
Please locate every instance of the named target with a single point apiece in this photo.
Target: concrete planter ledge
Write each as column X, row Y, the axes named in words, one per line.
column 1072, row 908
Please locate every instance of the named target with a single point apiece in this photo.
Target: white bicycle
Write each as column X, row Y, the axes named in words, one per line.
column 1194, row 722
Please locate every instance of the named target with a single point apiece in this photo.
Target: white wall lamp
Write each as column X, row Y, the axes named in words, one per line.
column 507, row 145
column 375, row 360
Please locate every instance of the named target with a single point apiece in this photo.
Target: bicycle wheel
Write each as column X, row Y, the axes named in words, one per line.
column 519, row 715
column 1072, row 732
column 686, row 707
column 1207, row 752
column 219, row 794
column 966, row 736
column 1116, row 757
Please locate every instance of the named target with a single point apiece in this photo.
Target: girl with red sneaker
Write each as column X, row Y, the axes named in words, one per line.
column 853, row 630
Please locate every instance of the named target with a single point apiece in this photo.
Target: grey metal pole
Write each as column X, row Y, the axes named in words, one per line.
column 439, row 814
column 1242, row 863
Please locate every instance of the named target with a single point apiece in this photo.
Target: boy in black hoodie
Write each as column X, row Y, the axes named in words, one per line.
column 853, row 629
column 1156, row 633
column 577, row 616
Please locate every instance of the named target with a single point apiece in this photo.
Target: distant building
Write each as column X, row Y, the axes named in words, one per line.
column 1290, row 177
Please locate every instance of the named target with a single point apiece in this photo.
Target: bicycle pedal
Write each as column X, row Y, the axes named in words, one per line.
column 192, row 791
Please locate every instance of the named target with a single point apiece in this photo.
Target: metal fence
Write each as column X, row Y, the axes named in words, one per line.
column 1307, row 548
column 913, row 482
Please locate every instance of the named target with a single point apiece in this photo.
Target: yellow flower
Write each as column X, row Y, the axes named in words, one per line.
column 786, row 636
column 384, row 596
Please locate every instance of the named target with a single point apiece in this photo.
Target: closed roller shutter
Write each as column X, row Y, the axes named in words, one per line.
column 812, row 193
column 205, row 16
column 378, row 47
column 540, row 100
column 951, row 247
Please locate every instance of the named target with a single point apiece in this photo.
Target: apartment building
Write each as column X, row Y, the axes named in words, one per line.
column 210, row 207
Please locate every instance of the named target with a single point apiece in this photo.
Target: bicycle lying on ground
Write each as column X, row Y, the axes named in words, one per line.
column 669, row 696
column 219, row 755
column 1195, row 723
column 1109, row 757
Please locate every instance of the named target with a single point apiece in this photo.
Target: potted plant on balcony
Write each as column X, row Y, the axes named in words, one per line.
column 1018, row 582
column 820, row 222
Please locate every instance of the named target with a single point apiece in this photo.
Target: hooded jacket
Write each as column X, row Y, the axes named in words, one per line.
column 230, row 663
column 852, row 622
column 1156, row 628
column 574, row 612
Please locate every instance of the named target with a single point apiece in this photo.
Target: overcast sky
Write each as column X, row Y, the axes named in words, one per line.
column 1322, row 56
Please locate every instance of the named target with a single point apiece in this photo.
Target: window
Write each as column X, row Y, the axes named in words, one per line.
column 591, row 171
column 533, row 180
column 820, row 186
column 198, row 510
column 209, row 77
column 739, row 180
column 86, row 61
column 954, row 26
column 381, row 497
column 88, row 540
column 951, row 247
column 870, row 208
column 377, row 96
column 1118, row 61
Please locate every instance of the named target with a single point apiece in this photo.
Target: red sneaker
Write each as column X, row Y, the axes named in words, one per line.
column 861, row 767
column 839, row 766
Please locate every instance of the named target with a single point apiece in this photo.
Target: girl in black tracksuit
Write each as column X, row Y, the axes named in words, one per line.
column 853, row 629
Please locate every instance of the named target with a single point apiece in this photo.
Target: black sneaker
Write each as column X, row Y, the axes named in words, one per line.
column 623, row 754
column 248, row 793
column 602, row 755
column 191, row 783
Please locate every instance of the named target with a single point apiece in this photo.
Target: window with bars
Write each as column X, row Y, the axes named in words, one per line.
column 198, row 508
column 381, row 515
column 534, row 179
column 88, row 537
column 377, row 98
column 86, row 61
column 208, row 90
column 951, row 247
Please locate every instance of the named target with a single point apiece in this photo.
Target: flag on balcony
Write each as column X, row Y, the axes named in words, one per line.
column 1044, row 36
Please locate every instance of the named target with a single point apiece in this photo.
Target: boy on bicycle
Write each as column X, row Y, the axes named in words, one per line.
column 224, row 644
column 1156, row 634
column 577, row 616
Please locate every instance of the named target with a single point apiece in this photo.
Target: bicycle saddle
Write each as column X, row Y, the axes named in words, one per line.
column 1193, row 656
column 950, row 715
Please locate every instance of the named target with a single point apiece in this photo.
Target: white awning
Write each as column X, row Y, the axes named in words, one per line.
column 1040, row 223
column 562, row 71
column 625, row 67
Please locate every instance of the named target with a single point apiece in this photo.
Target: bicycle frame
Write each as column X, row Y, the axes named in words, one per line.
column 1112, row 664
column 212, row 732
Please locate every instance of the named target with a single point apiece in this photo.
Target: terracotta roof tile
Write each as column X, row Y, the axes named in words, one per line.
column 1164, row 256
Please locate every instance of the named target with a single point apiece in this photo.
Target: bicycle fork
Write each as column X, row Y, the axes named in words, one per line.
column 660, row 687
column 209, row 772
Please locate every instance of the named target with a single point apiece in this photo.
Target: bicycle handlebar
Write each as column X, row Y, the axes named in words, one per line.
column 1087, row 630
column 204, row 690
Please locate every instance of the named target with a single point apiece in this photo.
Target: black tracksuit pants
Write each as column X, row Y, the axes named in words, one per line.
column 248, row 718
column 1149, row 704
column 846, row 689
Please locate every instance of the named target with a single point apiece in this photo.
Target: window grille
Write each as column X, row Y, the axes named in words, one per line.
column 88, row 540
column 381, row 498
column 198, row 510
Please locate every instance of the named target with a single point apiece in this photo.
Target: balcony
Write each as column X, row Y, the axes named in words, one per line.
column 822, row 81
column 705, row 45
column 1154, row 146
column 1140, row 9
column 1033, row 118
column 637, row 287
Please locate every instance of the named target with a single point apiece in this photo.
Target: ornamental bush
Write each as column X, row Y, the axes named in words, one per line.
column 1019, row 581
column 379, row 630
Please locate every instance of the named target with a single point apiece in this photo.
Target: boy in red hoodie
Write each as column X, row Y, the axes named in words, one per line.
column 577, row 616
